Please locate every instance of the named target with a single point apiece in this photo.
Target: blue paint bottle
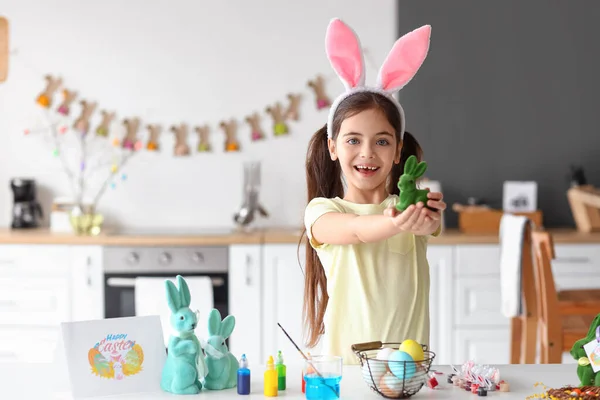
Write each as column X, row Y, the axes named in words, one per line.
column 243, row 376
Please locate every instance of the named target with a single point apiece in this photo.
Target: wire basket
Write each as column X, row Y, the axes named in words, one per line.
column 378, row 376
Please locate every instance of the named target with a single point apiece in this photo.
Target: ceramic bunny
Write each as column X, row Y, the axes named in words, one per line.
column 222, row 365
column 409, row 194
column 185, row 365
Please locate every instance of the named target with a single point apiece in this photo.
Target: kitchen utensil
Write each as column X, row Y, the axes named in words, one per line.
column 251, row 204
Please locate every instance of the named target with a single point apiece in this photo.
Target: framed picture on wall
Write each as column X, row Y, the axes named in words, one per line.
column 519, row 196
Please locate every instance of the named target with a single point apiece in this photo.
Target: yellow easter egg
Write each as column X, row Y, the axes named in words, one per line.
column 414, row 349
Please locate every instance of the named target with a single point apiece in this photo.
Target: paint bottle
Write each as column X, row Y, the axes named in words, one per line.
column 281, row 371
column 243, row 376
column 270, row 379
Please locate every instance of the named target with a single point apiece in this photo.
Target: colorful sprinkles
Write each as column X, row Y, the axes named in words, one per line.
column 567, row 392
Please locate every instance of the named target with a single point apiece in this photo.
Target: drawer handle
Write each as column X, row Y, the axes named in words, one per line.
column 581, row 260
column 8, row 354
column 7, row 263
column 248, row 270
column 8, row 304
column 130, row 282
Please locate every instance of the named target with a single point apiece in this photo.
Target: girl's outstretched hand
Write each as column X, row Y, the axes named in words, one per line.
column 418, row 219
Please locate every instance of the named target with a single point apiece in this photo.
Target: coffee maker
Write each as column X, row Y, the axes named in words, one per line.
column 26, row 212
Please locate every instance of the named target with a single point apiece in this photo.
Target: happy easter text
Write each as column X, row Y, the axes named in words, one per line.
column 114, row 342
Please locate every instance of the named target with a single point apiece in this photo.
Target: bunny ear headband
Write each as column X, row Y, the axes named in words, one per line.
column 401, row 65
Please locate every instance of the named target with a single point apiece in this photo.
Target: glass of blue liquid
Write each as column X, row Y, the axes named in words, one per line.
column 322, row 375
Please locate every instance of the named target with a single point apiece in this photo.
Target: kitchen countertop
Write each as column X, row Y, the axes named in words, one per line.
column 449, row 237
column 50, row 384
column 207, row 237
column 226, row 236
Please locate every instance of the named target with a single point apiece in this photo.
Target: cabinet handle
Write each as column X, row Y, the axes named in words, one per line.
column 7, row 263
column 8, row 304
column 248, row 272
column 130, row 282
column 89, row 271
column 580, row 260
column 8, row 354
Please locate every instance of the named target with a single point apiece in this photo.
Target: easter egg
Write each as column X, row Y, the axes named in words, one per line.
column 413, row 348
column 373, row 370
column 390, row 386
column 418, row 379
column 384, row 353
column 397, row 362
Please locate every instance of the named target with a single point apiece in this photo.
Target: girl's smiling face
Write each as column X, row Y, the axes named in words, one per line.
column 366, row 148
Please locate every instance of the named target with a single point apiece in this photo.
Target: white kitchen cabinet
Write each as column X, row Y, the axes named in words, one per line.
column 284, row 295
column 481, row 345
column 283, row 279
column 43, row 285
column 34, row 299
column 480, row 332
column 86, row 283
column 440, row 306
column 245, row 299
column 478, row 300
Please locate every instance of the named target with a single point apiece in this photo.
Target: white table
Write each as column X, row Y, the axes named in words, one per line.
column 42, row 381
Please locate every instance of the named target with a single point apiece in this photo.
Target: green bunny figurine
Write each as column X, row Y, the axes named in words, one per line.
column 585, row 372
column 409, row 194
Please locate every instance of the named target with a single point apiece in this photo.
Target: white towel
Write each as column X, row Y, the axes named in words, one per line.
column 512, row 229
column 151, row 299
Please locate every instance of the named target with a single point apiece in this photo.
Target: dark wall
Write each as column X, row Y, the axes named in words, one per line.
column 510, row 90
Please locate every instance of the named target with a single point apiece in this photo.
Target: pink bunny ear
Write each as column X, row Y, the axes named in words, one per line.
column 345, row 54
column 404, row 60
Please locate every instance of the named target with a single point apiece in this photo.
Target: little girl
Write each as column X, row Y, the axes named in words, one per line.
column 367, row 276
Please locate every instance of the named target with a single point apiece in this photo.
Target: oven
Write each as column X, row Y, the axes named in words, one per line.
column 123, row 264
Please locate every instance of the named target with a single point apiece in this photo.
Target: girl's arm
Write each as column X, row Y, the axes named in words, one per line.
column 341, row 228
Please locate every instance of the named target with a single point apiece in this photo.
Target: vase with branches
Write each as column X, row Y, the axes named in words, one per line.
column 92, row 160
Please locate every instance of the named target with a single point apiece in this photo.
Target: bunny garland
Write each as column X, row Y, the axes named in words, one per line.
column 347, row 59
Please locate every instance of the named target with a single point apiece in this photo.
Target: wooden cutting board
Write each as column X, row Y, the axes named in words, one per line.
column 3, row 48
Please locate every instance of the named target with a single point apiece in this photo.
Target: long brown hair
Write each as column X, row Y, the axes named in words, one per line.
column 324, row 179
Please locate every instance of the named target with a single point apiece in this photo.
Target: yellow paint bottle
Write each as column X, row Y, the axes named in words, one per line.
column 270, row 379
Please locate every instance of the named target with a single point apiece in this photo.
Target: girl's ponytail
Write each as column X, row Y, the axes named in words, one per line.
column 323, row 176
column 323, row 179
column 410, row 147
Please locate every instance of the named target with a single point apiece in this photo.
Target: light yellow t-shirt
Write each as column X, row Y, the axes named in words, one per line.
column 377, row 291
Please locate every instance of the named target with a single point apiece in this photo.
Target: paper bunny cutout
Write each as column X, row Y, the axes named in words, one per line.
column 400, row 66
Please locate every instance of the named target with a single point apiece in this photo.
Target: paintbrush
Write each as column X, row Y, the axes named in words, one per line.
column 307, row 359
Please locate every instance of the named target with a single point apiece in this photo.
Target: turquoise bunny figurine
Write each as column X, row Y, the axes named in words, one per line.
column 185, row 364
column 409, row 194
column 222, row 365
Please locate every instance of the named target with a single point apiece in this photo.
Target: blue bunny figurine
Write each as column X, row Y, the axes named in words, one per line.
column 222, row 365
column 185, row 364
